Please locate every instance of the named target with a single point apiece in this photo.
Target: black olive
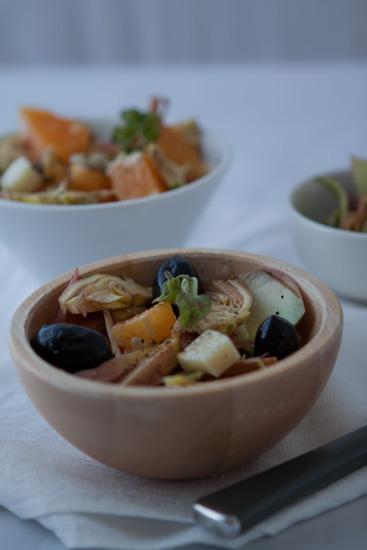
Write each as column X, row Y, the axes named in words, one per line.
column 71, row 347
column 177, row 265
column 277, row 337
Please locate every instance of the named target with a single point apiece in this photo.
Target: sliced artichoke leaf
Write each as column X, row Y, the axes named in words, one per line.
column 270, row 296
column 231, row 303
column 101, row 291
column 337, row 189
column 232, row 293
column 108, row 319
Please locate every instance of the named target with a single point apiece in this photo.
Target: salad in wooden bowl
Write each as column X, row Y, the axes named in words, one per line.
column 179, row 331
column 155, row 399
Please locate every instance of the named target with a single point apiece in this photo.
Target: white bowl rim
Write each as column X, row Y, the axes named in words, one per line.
column 343, row 233
column 61, row 379
column 226, row 156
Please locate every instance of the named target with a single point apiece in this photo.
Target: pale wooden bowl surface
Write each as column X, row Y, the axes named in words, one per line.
column 181, row 433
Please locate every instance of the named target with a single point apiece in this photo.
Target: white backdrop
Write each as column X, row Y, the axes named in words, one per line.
column 159, row 31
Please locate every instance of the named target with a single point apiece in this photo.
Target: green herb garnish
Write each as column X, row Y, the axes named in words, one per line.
column 183, row 292
column 137, row 130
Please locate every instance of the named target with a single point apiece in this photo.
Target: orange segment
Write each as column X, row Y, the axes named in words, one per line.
column 178, row 149
column 64, row 136
column 131, row 180
column 85, row 179
column 152, row 326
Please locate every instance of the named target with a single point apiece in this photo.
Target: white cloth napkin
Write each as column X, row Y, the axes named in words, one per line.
column 89, row 505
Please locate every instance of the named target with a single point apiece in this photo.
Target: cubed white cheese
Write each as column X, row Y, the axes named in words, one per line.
column 21, row 176
column 126, row 159
column 212, row 352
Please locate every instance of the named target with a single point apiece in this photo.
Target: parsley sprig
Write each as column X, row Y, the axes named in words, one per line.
column 137, row 130
column 183, row 292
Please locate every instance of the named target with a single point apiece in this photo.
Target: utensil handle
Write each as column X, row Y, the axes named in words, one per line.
column 235, row 509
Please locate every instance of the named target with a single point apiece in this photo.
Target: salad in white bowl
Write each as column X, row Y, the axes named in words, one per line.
column 125, row 188
column 57, row 160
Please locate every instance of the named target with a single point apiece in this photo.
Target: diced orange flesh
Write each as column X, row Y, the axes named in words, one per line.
column 152, row 326
column 181, row 151
column 64, row 136
column 132, row 181
column 85, row 179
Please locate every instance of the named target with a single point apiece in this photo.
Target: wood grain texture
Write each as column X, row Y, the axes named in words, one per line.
column 181, row 433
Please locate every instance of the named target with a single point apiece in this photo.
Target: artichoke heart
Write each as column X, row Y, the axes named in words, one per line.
column 231, row 303
column 100, row 292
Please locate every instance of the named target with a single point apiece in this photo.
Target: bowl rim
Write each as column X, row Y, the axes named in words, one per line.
column 327, row 229
column 209, row 136
column 22, row 352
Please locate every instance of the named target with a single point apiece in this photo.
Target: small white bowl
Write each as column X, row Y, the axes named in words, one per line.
column 51, row 239
column 337, row 256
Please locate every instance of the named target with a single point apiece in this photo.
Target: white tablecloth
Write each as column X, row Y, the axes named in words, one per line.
column 285, row 123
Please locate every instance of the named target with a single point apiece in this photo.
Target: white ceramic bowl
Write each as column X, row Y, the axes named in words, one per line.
column 337, row 256
column 51, row 239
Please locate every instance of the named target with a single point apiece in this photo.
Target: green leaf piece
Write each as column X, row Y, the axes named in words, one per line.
column 137, row 130
column 183, row 292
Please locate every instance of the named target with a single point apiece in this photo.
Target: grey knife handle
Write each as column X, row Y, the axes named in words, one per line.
column 235, row 509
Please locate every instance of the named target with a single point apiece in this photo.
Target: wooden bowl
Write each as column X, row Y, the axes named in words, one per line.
column 188, row 432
